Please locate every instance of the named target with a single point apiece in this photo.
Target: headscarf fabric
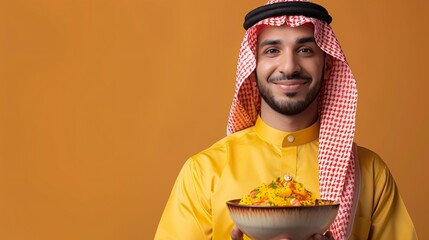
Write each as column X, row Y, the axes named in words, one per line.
column 337, row 111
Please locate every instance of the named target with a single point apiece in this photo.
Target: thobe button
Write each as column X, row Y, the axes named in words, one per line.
column 290, row 138
column 288, row 177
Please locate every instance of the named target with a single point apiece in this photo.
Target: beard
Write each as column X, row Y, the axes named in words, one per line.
column 288, row 107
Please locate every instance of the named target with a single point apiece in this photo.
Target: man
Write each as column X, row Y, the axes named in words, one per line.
column 293, row 114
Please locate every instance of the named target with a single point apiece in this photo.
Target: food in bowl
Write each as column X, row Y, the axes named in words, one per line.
column 260, row 216
column 280, row 192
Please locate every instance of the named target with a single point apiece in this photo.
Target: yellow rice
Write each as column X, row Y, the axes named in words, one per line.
column 280, row 192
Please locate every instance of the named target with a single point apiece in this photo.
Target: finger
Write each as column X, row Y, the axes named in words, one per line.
column 329, row 235
column 236, row 234
column 319, row 237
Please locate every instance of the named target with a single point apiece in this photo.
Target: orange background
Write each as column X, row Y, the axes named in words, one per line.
column 101, row 102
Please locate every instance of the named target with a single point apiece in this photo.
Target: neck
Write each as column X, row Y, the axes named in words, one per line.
column 289, row 123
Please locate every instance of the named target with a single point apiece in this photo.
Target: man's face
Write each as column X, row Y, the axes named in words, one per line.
column 290, row 68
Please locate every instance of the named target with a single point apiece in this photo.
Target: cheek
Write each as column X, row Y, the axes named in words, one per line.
column 263, row 69
column 316, row 69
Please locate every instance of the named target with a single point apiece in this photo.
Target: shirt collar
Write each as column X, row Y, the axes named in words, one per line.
column 286, row 139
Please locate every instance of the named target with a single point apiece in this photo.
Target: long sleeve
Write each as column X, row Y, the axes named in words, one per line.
column 187, row 214
column 390, row 219
column 381, row 211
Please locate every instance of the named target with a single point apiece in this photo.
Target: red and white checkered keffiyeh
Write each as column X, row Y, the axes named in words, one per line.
column 337, row 110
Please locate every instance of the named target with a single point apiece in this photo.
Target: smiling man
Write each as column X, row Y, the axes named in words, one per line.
column 289, row 72
column 293, row 114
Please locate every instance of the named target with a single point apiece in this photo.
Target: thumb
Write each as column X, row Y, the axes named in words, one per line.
column 236, row 234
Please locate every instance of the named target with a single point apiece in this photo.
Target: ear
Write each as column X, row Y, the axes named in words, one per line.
column 328, row 66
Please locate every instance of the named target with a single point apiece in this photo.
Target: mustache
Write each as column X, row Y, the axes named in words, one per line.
column 294, row 76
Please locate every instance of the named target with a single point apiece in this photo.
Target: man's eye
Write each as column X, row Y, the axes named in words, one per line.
column 271, row 51
column 305, row 50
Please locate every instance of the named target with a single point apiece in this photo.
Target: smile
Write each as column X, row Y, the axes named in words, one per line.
column 290, row 85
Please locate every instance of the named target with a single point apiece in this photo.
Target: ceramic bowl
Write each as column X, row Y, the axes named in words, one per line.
column 290, row 222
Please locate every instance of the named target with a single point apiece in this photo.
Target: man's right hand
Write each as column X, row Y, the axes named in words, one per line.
column 236, row 234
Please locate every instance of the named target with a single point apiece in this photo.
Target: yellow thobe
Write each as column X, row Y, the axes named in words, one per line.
column 238, row 163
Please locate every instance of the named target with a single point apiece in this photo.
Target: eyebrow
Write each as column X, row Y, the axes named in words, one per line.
column 277, row 42
column 306, row 40
column 269, row 43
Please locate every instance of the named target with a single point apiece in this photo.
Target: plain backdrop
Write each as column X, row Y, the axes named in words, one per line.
column 101, row 102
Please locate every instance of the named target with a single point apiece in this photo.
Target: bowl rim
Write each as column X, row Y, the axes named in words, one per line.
column 235, row 203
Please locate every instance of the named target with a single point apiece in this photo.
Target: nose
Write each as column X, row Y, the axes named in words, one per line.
column 289, row 64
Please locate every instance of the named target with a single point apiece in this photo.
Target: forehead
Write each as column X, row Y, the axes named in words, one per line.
column 285, row 32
